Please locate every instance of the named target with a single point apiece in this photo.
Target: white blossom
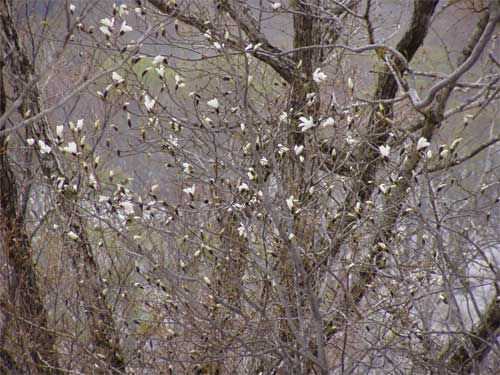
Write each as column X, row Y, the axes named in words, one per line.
column 385, row 150
column 328, row 122
column 105, row 30
column 159, row 59
column 276, row 6
column 289, row 202
column 190, row 190
column 30, row 141
column 306, row 123
column 319, row 76
column 243, row 187
column 149, row 103
column 72, row 235
column 128, row 207
column 44, row 149
column 298, row 149
column 214, row 103
column 70, row 148
column 124, row 28
column 422, row 143
column 59, row 131
column 117, row 79
column 109, row 23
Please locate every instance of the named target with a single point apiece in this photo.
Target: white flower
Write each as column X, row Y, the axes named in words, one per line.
column 159, row 59
column 123, row 10
column 264, row 162
column 306, row 123
column 161, row 71
column 79, row 125
column 276, row 6
column 137, row 238
column 188, row 168
column 72, row 8
column 30, row 141
column 422, row 143
column 319, row 76
column 241, row 230
column 154, row 188
column 298, row 149
column 283, row 116
column 385, row 151
column 128, row 207
column 289, row 202
column 328, row 122
column 384, row 188
column 117, row 79
column 124, row 28
column 207, row 280
column 214, row 103
column 350, row 84
column 70, row 148
column 190, row 190
column 455, row 143
column 59, row 131
column 218, row 46
column 108, row 22
column 179, row 82
column 44, row 149
column 72, row 235
column 105, row 30
column 149, row 103
column 243, row 187
column 92, row 181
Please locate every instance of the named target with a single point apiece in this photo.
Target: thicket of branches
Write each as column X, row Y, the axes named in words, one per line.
column 249, row 187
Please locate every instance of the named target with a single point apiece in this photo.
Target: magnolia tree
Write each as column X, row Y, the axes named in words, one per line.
column 249, row 187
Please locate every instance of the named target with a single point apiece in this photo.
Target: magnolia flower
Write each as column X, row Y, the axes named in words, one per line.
column 123, row 10
column 319, row 76
column 79, row 125
column 30, row 141
column 124, row 28
column 161, row 71
column 149, row 103
column 328, row 122
column 128, row 207
column 243, row 187
column 289, row 202
column 179, row 82
column 70, row 148
column 276, row 6
column 207, row 280
column 44, row 149
column 384, row 188
column 72, row 235
column 350, row 84
column 385, row 151
column 298, row 149
column 72, row 8
column 218, row 46
column 455, row 143
column 117, row 79
column 59, row 131
column 159, row 59
column 188, row 168
column 422, row 143
column 214, row 103
column 105, row 30
column 108, row 22
column 190, row 190
column 306, row 123
column 241, row 230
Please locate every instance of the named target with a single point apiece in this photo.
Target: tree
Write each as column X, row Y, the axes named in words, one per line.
column 251, row 188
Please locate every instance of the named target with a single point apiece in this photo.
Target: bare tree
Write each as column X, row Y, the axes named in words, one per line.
column 248, row 187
